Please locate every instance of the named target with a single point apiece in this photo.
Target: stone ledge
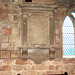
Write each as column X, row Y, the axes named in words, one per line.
column 38, row 6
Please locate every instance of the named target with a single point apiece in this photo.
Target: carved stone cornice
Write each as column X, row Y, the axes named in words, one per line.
column 33, row 6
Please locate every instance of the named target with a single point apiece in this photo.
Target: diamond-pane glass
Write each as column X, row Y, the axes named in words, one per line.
column 68, row 37
column 68, row 50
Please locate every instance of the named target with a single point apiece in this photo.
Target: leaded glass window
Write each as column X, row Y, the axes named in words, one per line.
column 68, row 37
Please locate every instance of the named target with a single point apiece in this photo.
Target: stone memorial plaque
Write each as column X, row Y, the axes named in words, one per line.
column 38, row 29
column 38, row 55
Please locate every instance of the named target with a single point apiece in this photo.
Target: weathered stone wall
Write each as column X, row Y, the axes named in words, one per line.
column 10, row 41
column 14, row 67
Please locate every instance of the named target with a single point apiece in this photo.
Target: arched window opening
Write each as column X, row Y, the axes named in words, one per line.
column 68, row 38
column 73, row 13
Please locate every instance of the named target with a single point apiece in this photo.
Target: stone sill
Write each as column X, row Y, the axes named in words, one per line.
column 69, row 60
column 40, row 46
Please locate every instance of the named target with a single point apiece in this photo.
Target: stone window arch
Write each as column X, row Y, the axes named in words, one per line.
column 68, row 35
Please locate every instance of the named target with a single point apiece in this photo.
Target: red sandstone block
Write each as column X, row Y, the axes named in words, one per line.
column 69, row 60
column 29, row 67
column 7, row 73
column 2, row 10
column 50, row 2
column 32, row 73
column 7, row 61
column 5, row 68
column 73, row 71
column 59, row 67
column 40, row 67
column 6, row 31
column 24, row 72
column 5, row 54
column 21, row 62
column 17, row 67
column 1, row 73
column 7, row 11
column 41, row 73
column 49, row 72
column 36, row 1
column 4, row 17
column 69, row 67
column 51, row 67
column 58, row 61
